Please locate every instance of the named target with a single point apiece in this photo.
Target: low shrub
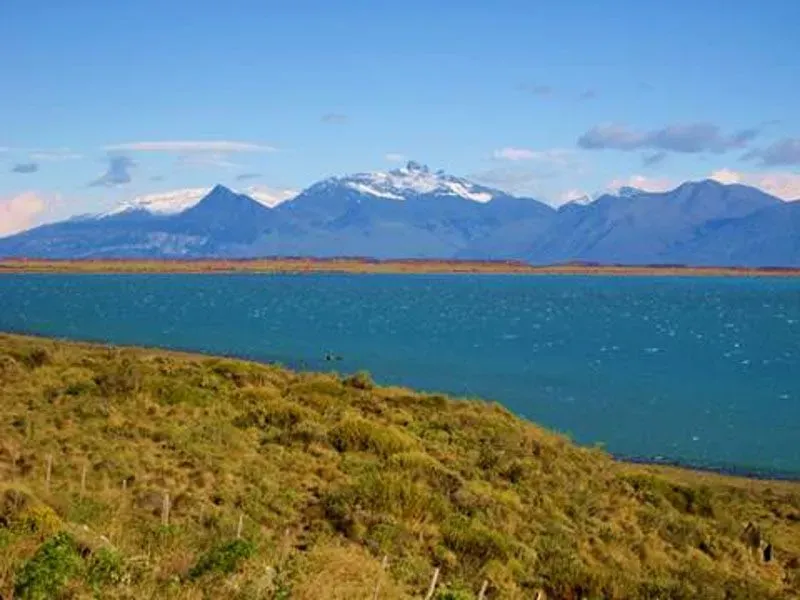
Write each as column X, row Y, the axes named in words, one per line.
column 360, row 381
column 222, row 558
column 474, row 542
column 359, row 434
column 264, row 410
column 46, row 573
column 106, row 567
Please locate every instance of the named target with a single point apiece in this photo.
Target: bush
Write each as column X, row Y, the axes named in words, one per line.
column 476, row 543
column 36, row 357
column 9, row 368
column 121, row 379
column 223, row 558
column 360, row 381
column 426, row 467
column 48, row 571
column 105, row 568
column 263, row 409
column 454, row 593
column 359, row 434
column 34, row 517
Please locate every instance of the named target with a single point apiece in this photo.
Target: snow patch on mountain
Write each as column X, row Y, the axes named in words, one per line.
column 161, row 203
column 627, row 191
column 174, row 202
column 413, row 180
column 270, row 197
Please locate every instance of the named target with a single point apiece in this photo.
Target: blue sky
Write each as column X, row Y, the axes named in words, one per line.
column 104, row 101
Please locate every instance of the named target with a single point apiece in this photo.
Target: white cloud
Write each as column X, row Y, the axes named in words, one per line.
column 781, row 184
column 555, row 156
column 20, row 212
column 186, row 146
column 642, row 182
column 514, row 154
column 395, row 157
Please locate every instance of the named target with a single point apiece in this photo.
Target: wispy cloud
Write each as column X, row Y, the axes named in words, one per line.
column 157, row 178
column 20, row 212
column 510, row 179
column 207, row 159
column 784, row 152
column 190, row 146
column 654, row 158
column 526, row 171
column 395, row 157
column 510, row 153
column 689, row 138
column 781, row 184
column 642, row 182
column 552, row 156
column 335, row 119
column 56, row 154
column 245, row 176
column 536, row 89
column 25, row 168
column 588, row 94
column 118, row 172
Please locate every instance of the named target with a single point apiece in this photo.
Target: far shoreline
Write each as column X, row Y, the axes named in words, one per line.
column 356, row 265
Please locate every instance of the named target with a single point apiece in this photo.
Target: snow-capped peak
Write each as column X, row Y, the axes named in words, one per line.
column 627, row 191
column 411, row 180
column 177, row 201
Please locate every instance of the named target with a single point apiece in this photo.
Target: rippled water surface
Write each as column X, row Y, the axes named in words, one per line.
column 699, row 370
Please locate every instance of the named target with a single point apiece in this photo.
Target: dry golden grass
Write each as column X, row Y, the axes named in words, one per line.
column 364, row 265
column 331, row 474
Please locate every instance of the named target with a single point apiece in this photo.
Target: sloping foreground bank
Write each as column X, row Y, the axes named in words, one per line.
column 128, row 473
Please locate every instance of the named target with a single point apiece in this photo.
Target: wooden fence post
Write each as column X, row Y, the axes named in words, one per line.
column 239, row 527
column 384, row 564
column 48, row 472
column 432, row 588
column 484, row 587
column 83, row 480
column 165, row 510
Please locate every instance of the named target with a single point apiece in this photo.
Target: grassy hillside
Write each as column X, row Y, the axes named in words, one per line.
column 294, row 485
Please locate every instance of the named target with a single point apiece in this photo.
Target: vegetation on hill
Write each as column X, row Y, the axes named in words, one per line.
column 128, row 473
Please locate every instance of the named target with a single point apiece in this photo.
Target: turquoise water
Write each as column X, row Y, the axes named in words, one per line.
column 703, row 371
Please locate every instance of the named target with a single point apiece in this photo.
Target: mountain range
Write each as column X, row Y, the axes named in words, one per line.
column 413, row 212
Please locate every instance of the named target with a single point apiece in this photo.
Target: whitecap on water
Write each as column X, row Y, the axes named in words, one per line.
column 652, row 350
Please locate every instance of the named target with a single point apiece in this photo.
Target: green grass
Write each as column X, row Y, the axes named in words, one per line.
column 328, row 476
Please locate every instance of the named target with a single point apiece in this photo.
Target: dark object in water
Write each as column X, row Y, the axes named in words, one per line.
column 330, row 356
